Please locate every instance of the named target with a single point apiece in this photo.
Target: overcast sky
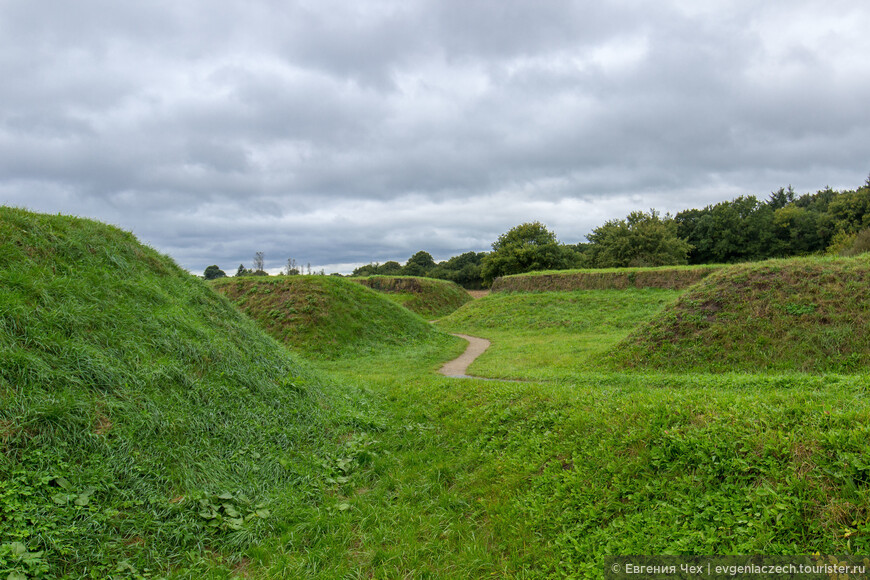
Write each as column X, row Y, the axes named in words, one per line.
column 340, row 132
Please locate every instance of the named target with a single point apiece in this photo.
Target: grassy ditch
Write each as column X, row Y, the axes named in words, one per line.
column 544, row 479
column 552, row 335
column 558, row 474
column 427, row 297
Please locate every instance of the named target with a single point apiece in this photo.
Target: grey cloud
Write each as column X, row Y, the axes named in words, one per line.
column 343, row 132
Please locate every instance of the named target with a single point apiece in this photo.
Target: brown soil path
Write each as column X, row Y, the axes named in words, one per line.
column 457, row 367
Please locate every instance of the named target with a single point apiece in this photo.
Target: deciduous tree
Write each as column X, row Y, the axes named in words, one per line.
column 525, row 248
column 642, row 239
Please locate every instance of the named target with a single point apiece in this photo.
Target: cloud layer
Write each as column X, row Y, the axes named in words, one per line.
column 339, row 133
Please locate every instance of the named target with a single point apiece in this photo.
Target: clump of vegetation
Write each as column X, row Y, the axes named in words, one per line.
column 810, row 315
column 324, row 316
column 856, row 244
column 425, row 296
column 147, row 427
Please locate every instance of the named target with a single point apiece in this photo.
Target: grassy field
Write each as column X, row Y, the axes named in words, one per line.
column 552, row 335
column 150, row 430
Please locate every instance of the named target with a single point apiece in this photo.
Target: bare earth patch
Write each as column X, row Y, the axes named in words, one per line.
column 457, row 367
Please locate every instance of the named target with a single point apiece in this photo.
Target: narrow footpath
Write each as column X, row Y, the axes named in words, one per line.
column 457, row 368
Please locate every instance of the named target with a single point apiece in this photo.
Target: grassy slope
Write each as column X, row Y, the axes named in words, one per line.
column 665, row 277
column 427, row 297
column 808, row 315
column 547, row 335
column 324, row 316
column 144, row 423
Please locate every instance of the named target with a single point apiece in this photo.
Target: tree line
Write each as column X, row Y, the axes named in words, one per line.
column 742, row 229
column 290, row 269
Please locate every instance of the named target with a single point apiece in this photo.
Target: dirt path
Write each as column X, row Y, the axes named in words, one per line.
column 457, row 367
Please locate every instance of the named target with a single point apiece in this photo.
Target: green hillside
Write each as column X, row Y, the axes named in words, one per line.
column 808, row 315
column 324, row 315
column 147, row 427
column 427, row 297
column 665, row 277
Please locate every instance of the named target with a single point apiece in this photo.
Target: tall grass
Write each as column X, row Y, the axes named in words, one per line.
column 147, row 427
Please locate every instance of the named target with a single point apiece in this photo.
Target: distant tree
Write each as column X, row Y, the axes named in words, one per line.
column 525, row 248
column 463, row 269
column 390, row 268
column 850, row 210
column 642, row 239
column 730, row 231
column 581, row 255
column 258, row 262
column 242, row 271
column 418, row 264
column 290, row 269
column 366, row 270
column 213, row 272
column 860, row 244
column 781, row 197
column 797, row 230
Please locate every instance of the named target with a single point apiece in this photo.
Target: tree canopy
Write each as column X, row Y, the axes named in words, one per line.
column 525, row 248
column 642, row 239
column 213, row 272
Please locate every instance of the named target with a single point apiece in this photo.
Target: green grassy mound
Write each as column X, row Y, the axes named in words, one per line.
column 804, row 315
column 324, row 316
column 147, row 427
column 665, row 277
column 427, row 297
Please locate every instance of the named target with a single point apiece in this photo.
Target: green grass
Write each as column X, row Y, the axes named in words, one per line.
column 552, row 335
column 146, row 426
column 324, row 316
column 544, row 479
column 427, row 297
column 809, row 315
column 666, row 277
column 141, row 413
